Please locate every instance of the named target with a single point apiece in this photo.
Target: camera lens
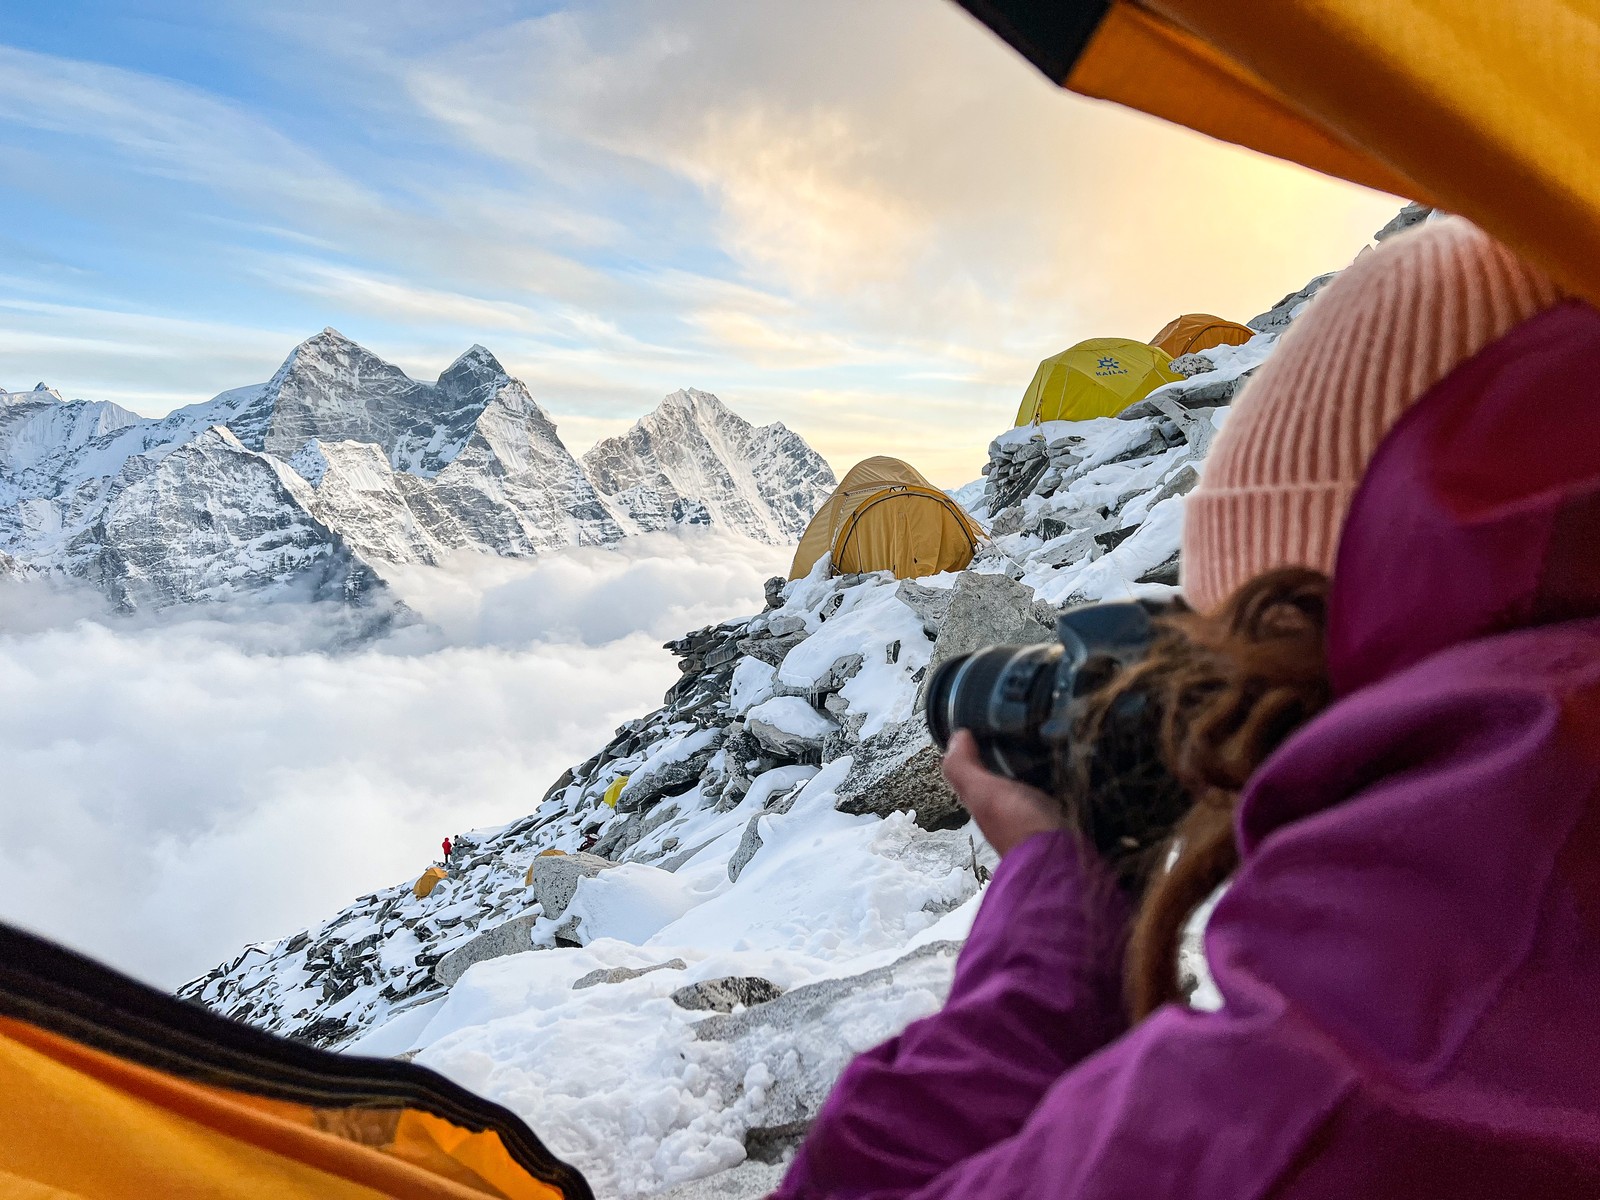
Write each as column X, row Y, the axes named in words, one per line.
column 1003, row 695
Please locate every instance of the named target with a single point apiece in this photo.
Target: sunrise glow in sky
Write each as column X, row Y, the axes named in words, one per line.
column 866, row 218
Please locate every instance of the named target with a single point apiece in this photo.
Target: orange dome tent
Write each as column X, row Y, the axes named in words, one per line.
column 884, row 516
column 1194, row 332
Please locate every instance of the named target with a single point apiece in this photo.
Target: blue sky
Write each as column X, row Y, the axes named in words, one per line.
column 867, row 220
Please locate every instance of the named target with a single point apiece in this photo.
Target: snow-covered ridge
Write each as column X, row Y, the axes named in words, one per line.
column 695, row 461
column 374, row 466
column 666, row 988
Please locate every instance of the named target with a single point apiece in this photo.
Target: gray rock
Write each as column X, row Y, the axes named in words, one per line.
column 750, row 1180
column 751, row 841
column 774, row 591
column 929, row 603
column 770, row 650
column 666, row 778
column 1280, row 315
column 897, row 770
column 788, row 744
column 508, row 937
column 555, row 878
column 986, row 610
column 820, row 1027
column 807, row 1005
column 1191, row 364
column 621, row 974
column 784, row 624
column 726, row 994
column 1412, row 214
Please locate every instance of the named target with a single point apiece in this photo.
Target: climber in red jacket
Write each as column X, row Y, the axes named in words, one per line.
column 446, row 845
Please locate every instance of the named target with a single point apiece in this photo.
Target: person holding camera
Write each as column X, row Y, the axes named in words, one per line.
column 1374, row 729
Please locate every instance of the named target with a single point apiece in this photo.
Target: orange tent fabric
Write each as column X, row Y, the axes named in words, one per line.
column 1481, row 107
column 429, row 880
column 885, row 516
column 1194, row 332
column 111, row 1090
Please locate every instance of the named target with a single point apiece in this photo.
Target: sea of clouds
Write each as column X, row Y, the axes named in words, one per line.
column 177, row 788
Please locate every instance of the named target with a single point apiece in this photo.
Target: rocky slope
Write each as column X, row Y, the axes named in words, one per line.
column 311, row 483
column 665, row 965
column 782, row 880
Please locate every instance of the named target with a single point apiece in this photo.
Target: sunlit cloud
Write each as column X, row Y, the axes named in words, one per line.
column 784, row 204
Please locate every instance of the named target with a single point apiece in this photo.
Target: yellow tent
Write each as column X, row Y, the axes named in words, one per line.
column 1097, row 378
column 1480, row 107
column 884, row 516
column 429, row 880
column 1194, row 332
column 614, row 790
column 112, row 1090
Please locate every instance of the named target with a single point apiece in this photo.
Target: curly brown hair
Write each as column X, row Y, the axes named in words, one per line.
column 1216, row 694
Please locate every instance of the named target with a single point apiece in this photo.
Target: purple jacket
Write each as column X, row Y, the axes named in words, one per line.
column 1409, row 955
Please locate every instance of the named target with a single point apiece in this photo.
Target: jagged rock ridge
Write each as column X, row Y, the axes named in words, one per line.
column 371, row 467
column 693, row 461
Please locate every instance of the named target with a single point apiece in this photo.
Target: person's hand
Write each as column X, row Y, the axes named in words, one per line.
column 1007, row 812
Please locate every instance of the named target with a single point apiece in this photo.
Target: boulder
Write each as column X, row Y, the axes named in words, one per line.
column 621, row 974
column 1191, row 364
column 820, row 1027
column 838, row 673
column 771, row 649
column 897, row 770
column 774, row 591
column 789, row 727
column 989, row 609
column 670, row 771
column 508, row 937
column 929, row 603
column 1412, row 214
column 554, row 878
column 726, row 994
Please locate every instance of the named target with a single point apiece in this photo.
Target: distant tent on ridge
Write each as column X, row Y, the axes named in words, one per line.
column 1194, row 332
column 884, row 516
column 1097, row 378
column 430, row 879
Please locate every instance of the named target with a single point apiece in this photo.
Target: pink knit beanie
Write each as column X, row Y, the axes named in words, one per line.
column 1279, row 478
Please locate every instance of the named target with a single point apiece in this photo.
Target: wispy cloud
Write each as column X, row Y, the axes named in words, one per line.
column 785, row 204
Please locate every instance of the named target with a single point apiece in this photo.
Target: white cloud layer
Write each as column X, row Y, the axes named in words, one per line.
column 175, row 790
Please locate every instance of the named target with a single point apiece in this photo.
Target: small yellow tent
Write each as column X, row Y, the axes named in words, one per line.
column 884, row 516
column 1097, row 378
column 1194, row 332
column 614, row 790
column 112, row 1090
column 430, row 880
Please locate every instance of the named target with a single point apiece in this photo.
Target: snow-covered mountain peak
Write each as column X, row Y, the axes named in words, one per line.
column 342, row 446
column 695, row 401
column 39, row 394
column 694, row 461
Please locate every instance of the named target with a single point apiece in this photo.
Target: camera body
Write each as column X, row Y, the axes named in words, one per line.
column 1019, row 701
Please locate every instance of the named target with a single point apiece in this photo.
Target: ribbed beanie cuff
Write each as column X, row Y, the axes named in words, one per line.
column 1278, row 482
